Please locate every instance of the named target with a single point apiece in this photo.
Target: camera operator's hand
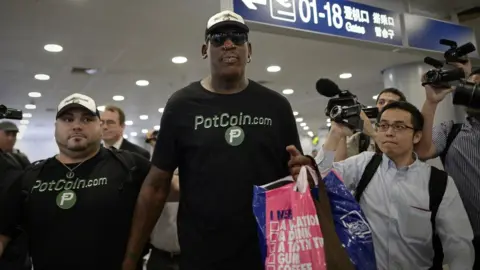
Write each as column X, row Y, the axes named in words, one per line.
column 435, row 95
column 467, row 67
column 340, row 130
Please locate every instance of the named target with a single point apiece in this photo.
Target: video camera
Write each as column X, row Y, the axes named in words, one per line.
column 467, row 94
column 344, row 109
column 9, row 113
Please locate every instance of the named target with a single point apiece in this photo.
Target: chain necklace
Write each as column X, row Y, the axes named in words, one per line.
column 71, row 174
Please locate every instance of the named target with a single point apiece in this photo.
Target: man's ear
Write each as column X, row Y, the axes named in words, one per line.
column 204, row 51
column 249, row 50
column 417, row 137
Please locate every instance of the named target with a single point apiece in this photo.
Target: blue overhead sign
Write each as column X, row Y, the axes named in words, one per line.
column 425, row 33
column 338, row 18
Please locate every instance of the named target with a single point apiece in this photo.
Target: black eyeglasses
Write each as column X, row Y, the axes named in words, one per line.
column 397, row 127
column 218, row 39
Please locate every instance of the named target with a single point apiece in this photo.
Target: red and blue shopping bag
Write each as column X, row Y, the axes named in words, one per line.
column 289, row 230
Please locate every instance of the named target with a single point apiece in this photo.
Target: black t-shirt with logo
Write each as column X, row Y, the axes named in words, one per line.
column 79, row 221
column 223, row 145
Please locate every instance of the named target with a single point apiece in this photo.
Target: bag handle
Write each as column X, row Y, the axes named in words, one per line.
column 302, row 184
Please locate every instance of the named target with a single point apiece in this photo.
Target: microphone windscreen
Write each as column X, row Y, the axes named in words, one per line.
column 326, row 87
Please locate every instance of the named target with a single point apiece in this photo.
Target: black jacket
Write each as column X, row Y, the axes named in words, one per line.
column 128, row 146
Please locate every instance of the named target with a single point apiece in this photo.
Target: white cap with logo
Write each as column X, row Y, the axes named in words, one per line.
column 77, row 101
column 226, row 18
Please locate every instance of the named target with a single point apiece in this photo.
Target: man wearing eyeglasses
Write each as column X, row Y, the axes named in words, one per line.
column 404, row 203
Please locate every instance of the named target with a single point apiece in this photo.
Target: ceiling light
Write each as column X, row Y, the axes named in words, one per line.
column 22, row 128
column 133, row 134
column 299, row 119
column 128, row 123
column 142, row 83
column 143, row 117
column 27, row 115
column 91, row 71
column 161, row 110
column 274, row 69
column 34, row 94
column 375, row 97
column 345, row 75
column 118, row 98
column 329, row 120
column 101, row 108
column 24, row 122
column 295, row 113
column 144, row 131
column 179, row 59
column 42, row 77
column 303, row 124
column 30, row 106
column 53, row 48
column 125, row 136
column 287, row 91
column 306, row 128
column 329, row 124
column 156, row 127
column 310, row 134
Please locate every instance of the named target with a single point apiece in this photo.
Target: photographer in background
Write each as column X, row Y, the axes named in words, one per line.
column 360, row 142
column 459, row 147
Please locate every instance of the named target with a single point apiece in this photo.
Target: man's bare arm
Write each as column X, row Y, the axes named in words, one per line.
column 4, row 240
column 174, row 195
column 150, row 203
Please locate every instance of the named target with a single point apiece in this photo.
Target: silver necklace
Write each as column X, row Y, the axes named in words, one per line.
column 70, row 174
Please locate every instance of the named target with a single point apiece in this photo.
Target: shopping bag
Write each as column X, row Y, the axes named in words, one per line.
column 350, row 223
column 288, row 227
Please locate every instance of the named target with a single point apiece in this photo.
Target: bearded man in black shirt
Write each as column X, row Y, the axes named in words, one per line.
column 225, row 134
column 76, row 207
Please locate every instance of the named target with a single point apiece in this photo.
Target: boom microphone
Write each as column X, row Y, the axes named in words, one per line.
column 328, row 88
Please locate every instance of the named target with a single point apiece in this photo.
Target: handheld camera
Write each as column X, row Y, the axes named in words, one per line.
column 9, row 113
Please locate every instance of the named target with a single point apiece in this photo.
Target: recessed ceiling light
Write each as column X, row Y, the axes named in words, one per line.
column 303, row 124
column 310, row 134
column 274, row 68
column 161, row 110
column 295, row 113
column 143, row 117
column 306, row 128
column 144, row 131
column 34, row 94
column 299, row 119
column 30, row 106
column 142, row 83
column 156, row 127
column 125, row 136
column 101, row 108
column 42, row 77
column 375, row 97
column 128, row 123
column 287, row 91
column 345, row 76
column 27, row 115
column 118, row 98
column 53, row 48
column 133, row 134
column 329, row 124
column 179, row 59
column 24, row 122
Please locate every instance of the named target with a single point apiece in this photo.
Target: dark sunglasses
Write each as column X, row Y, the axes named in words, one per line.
column 218, row 39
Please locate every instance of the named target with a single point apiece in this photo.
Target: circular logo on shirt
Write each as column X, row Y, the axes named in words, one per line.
column 66, row 199
column 234, row 136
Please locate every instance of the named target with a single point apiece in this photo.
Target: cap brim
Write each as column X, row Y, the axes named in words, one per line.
column 228, row 25
column 12, row 129
column 75, row 106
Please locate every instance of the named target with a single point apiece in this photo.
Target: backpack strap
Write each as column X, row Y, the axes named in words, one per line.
column 127, row 161
column 436, row 189
column 450, row 138
column 370, row 170
column 363, row 142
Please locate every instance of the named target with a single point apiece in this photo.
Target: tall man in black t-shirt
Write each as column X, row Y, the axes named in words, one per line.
column 225, row 134
column 77, row 206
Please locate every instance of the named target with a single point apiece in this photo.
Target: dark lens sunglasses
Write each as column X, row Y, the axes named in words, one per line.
column 219, row 39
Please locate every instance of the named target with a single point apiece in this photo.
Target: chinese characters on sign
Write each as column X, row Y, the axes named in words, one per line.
column 383, row 25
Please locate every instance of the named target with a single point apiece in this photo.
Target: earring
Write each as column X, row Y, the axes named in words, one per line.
column 204, row 56
column 249, row 59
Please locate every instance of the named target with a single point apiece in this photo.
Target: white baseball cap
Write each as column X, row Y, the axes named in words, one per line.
column 77, row 101
column 226, row 18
